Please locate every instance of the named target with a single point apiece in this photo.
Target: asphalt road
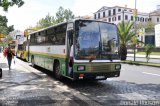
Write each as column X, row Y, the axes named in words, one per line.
column 25, row 85
column 139, row 74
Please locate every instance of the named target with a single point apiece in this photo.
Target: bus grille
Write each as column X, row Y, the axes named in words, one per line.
column 100, row 67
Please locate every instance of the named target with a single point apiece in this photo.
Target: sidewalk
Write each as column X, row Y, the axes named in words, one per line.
column 4, row 64
column 144, row 56
column 3, row 61
column 2, row 58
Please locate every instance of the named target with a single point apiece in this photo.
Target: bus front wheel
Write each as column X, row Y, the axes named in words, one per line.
column 57, row 73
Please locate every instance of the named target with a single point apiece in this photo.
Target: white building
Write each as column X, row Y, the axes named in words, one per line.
column 157, row 35
column 155, row 15
column 116, row 14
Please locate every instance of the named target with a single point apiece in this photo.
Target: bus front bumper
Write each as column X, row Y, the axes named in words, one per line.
column 96, row 76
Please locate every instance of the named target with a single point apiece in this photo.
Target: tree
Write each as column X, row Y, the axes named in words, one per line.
column 63, row 15
column 5, row 4
column 125, row 34
column 68, row 14
column 4, row 29
column 6, row 40
column 148, row 51
column 45, row 22
column 149, row 26
column 60, row 15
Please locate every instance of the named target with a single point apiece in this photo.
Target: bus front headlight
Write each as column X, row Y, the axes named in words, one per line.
column 117, row 66
column 80, row 68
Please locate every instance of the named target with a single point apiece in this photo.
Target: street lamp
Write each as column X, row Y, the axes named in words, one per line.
column 135, row 30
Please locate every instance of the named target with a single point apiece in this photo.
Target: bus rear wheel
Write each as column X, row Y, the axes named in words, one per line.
column 57, row 73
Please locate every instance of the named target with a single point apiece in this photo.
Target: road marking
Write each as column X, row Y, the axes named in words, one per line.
column 151, row 74
column 102, row 96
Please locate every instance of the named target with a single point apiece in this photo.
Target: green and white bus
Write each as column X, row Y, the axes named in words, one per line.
column 95, row 49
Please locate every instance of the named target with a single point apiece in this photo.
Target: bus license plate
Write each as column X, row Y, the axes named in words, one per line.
column 100, row 77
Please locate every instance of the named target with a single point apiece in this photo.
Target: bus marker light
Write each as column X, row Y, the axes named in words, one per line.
column 81, row 75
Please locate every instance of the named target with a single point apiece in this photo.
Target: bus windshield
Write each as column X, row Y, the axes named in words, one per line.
column 96, row 40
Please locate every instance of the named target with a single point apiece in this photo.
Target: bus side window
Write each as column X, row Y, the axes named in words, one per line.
column 61, row 34
column 32, row 38
column 50, row 35
column 70, row 33
column 62, row 38
column 53, row 39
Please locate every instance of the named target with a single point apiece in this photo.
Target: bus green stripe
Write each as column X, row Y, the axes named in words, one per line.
column 49, row 54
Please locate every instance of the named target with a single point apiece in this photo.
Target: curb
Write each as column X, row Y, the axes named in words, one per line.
column 145, row 57
column 130, row 63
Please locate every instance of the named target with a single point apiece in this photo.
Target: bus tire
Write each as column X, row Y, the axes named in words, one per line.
column 57, row 73
column 0, row 72
column 32, row 61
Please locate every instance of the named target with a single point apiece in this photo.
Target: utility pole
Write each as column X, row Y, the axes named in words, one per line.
column 123, row 14
column 135, row 30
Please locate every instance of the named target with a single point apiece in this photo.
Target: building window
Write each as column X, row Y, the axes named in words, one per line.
column 131, row 18
column 112, row 18
column 109, row 13
column 150, row 19
column 114, row 11
column 115, row 18
column 126, row 17
column 141, row 19
column 119, row 17
column 146, row 19
column 98, row 15
column 94, row 16
column 104, row 14
column 137, row 18
column 157, row 19
column 109, row 20
column 119, row 10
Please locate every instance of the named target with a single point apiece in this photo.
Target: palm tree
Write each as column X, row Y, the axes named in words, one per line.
column 148, row 51
column 125, row 34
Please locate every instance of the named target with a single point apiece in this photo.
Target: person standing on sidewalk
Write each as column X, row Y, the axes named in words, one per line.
column 9, row 55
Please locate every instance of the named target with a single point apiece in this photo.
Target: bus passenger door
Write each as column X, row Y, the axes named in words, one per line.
column 27, row 48
column 70, row 53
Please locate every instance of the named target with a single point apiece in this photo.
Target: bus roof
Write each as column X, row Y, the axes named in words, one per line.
column 69, row 21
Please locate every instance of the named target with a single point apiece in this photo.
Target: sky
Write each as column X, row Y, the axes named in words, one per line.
column 34, row 10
